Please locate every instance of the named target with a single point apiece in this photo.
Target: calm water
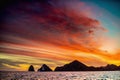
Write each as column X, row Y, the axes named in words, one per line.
column 97, row 75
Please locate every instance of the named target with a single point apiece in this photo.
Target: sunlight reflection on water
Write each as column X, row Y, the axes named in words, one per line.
column 88, row 75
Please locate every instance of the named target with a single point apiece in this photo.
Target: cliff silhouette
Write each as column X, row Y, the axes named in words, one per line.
column 78, row 66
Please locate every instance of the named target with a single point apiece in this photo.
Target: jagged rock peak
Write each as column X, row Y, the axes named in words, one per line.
column 31, row 68
column 44, row 67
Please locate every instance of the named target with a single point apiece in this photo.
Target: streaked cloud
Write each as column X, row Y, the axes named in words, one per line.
column 55, row 33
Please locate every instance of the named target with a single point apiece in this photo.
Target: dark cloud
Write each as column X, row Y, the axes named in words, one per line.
column 48, row 21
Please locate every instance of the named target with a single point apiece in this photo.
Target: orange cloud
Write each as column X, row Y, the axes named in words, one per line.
column 55, row 30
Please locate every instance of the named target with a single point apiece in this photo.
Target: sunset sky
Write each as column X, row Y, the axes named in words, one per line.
column 56, row 32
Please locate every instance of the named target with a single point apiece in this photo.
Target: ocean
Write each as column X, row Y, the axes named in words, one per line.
column 86, row 75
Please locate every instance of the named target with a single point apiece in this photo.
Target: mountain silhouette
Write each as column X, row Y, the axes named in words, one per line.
column 73, row 66
column 111, row 67
column 78, row 66
column 31, row 68
column 44, row 68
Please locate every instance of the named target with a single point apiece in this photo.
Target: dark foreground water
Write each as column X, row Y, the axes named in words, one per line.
column 97, row 75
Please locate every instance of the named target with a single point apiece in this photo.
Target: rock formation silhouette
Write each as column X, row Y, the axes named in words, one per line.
column 73, row 66
column 31, row 68
column 77, row 66
column 44, row 68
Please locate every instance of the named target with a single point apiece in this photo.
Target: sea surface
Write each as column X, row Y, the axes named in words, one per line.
column 87, row 75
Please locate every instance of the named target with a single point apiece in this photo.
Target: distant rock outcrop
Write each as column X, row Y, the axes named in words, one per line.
column 78, row 66
column 44, row 68
column 31, row 68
